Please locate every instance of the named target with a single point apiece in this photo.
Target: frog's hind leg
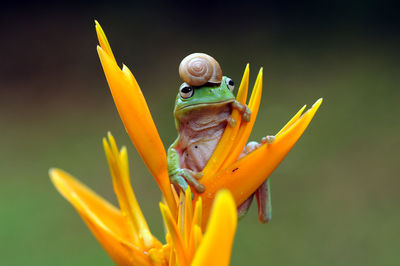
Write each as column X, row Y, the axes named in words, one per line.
column 243, row 208
column 263, row 195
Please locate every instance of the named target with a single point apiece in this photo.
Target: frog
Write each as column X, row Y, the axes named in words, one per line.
column 202, row 112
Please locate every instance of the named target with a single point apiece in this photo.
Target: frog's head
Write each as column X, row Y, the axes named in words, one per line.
column 203, row 84
column 190, row 97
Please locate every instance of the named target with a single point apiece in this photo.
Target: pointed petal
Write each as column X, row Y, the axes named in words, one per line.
column 135, row 115
column 172, row 253
column 294, row 119
column 196, row 238
column 181, row 213
column 188, row 215
column 260, row 163
column 119, row 168
column 244, row 85
column 195, row 231
column 176, row 237
column 293, row 127
column 246, row 128
column 216, row 246
column 103, row 219
column 103, row 40
column 228, row 137
column 198, row 212
column 122, row 253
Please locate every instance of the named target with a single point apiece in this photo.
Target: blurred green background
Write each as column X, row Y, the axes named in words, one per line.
column 336, row 196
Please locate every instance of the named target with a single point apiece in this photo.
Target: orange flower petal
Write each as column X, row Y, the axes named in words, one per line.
column 216, row 246
column 260, row 163
column 188, row 215
column 101, row 36
column 197, row 215
column 119, row 168
column 293, row 120
column 244, row 85
column 246, row 128
column 135, row 115
column 228, row 137
column 176, row 237
column 103, row 219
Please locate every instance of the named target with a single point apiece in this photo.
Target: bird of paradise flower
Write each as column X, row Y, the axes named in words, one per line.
column 124, row 233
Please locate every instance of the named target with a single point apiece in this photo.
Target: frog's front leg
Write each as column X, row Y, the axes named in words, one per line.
column 243, row 109
column 181, row 176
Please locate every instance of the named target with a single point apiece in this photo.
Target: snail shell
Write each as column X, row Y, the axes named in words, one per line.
column 198, row 69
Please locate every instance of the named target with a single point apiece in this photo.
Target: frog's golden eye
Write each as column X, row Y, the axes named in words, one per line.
column 186, row 91
column 229, row 82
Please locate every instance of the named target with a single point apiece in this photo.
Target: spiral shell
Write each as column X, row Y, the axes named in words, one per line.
column 198, row 69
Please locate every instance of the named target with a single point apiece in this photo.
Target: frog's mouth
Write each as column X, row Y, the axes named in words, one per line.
column 201, row 105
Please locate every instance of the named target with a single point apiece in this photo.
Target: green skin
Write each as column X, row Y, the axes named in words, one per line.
column 201, row 120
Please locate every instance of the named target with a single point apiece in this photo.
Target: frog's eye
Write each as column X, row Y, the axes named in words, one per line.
column 229, row 82
column 186, row 91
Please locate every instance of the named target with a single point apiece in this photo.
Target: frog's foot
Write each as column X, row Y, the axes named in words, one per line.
column 243, row 109
column 195, row 174
column 253, row 145
column 184, row 176
column 267, row 139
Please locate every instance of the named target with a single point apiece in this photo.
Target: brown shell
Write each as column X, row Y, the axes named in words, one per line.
column 198, row 69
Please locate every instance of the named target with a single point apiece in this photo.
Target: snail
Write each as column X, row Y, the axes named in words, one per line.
column 198, row 69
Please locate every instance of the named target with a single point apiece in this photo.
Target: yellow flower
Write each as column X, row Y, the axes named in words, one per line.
column 124, row 233
column 223, row 169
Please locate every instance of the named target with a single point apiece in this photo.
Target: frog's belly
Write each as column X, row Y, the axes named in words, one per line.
column 197, row 153
column 200, row 131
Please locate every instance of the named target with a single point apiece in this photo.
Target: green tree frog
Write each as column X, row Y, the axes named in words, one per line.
column 202, row 112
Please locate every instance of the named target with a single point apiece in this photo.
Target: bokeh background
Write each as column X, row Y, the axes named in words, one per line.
column 336, row 196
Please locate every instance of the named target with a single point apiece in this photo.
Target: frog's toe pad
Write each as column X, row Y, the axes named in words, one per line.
column 246, row 117
column 267, row 139
column 200, row 188
column 231, row 121
column 270, row 139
